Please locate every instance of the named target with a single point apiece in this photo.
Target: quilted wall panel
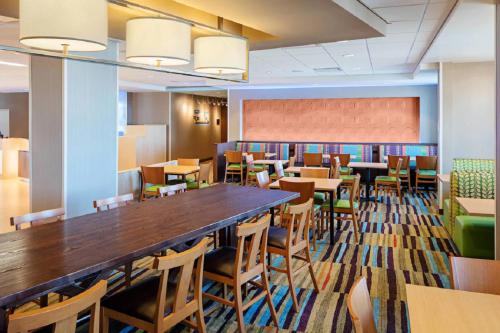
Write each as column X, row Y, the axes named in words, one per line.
column 333, row 120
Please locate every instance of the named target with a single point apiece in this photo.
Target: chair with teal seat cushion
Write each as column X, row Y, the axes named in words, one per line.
column 391, row 181
column 319, row 198
column 387, row 179
column 426, row 172
column 474, row 236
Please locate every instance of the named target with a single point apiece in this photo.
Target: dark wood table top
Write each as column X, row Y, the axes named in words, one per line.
column 45, row 258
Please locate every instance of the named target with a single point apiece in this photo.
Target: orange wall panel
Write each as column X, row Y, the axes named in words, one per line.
column 333, row 120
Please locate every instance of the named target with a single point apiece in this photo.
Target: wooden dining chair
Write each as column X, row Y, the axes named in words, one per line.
column 188, row 161
column 292, row 160
column 238, row 266
column 314, row 172
column 476, row 275
column 252, row 169
column 313, row 159
column 61, row 316
column 360, row 307
column 293, row 242
column 38, row 218
column 426, row 172
column 263, row 180
column 257, row 155
column 113, row 202
column 234, row 165
column 160, row 302
column 347, row 179
column 390, row 182
column 152, row 179
column 319, row 197
column 190, row 179
column 404, row 172
column 334, row 167
column 166, row 191
column 345, row 159
column 279, row 171
column 203, row 180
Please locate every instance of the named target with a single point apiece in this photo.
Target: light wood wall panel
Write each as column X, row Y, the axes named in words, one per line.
column 333, row 120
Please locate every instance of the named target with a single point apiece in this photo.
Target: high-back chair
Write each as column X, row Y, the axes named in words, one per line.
column 313, row 159
column 203, row 177
column 390, row 182
column 234, row 165
column 404, row 172
column 238, row 266
column 252, row 169
column 158, row 303
column 61, row 316
column 476, row 275
column 263, row 180
column 38, row 218
column 426, row 172
column 335, row 167
column 113, row 202
column 290, row 242
column 279, row 171
column 166, row 191
column 344, row 162
column 152, row 179
column 360, row 307
column 314, row 172
column 257, row 155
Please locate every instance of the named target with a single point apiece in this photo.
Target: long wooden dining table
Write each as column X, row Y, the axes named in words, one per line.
column 43, row 259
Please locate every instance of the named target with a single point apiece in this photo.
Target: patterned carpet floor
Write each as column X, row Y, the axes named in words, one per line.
column 399, row 244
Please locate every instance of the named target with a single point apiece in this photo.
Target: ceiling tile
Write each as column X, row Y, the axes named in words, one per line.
column 314, row 49
column 403, row 13
column 437, row 11
column 316, row 60
column 393, row 38
column 430, row 25
column 402, row 27
column 391, row 3
column 425, row 36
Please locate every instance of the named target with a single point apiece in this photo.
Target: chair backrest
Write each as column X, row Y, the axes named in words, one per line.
column 152, row 175
column 299, row 218
column 335, row 167
column 278, row 168
column 355, row 189
column 392, row 161
column 255, row 251
column 263, row 179
column 166, row 191
column 360, row 307
column 344, row 158
column 257, row 155
column 189, row 282
column 306, row 190
column 426, row 162
column 233, row 156
column 314, row 172
column 113, row 202
column 62, row 315
column 398, row 168
column 476, row 275
column 188, row 161
column 204, row 173
column 313, row 159
column 250, row 164
column 38, row 218
column 292, row 161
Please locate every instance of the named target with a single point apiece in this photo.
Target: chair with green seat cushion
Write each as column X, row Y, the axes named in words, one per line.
column 152, row 178
column 404, row 171
column 392, row 181
column 234, row 165
column 426, row 171
column 203, row 179
column 345, row 204
column 474, row 236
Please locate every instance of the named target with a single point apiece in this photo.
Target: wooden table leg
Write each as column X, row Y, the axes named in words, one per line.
column 272, row 216
column 3, row 320
column 44, row 300
column 332, row 229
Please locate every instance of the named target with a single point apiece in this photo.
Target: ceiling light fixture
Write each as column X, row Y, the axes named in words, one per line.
column 220, row 55
column 158, row 41
column 69, row 25
column 349, row 55
column 13, row 64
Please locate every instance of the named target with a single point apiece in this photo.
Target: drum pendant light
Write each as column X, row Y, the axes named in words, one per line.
column 158, row 41
column 220, row 55
column 69, row 25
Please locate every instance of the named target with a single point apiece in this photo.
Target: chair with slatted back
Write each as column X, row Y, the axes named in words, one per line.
column 475, row 275
column 203, row 177
column 390, row 182
column 404, row 173
column 252, row 169
column 426, row 171
column 345, row 159
column 38, row 218
column 347, row 179
column 263, row 180
column 152, row 179
column 360, row 307
column 238, row 266
column 313, row 159
column 166, row 191
column 61, row 316
column 160, row 302
column 319, row 197
column 113, row 202
column 347, row 209
column 234, row 165
column 293, row 242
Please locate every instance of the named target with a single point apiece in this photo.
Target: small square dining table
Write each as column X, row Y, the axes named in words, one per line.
column 180, row 170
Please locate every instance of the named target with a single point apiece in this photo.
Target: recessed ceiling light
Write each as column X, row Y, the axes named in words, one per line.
column 13, row 64
column 349, row 55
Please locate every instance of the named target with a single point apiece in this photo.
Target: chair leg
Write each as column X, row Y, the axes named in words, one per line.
column 416, row 184
column 269, row 298
column 398, row 188
column 355, row 226
column 409, row 182
column 311, row 270
column 291, row 285
column 128, row 274
column 200, row 319
column 376, row 192
column 225, row 176
column 104, row 323
column 238, row 308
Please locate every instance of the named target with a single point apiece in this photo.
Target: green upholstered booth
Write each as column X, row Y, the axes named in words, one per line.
column 474, row 236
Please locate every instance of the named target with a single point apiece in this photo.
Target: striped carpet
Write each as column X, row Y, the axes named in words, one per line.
column 399, row 244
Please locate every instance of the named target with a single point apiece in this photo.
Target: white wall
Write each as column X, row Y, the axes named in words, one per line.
column 428, row 103
column 467, row 115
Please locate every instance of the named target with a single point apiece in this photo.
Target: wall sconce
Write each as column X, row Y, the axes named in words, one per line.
column 201, row 117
